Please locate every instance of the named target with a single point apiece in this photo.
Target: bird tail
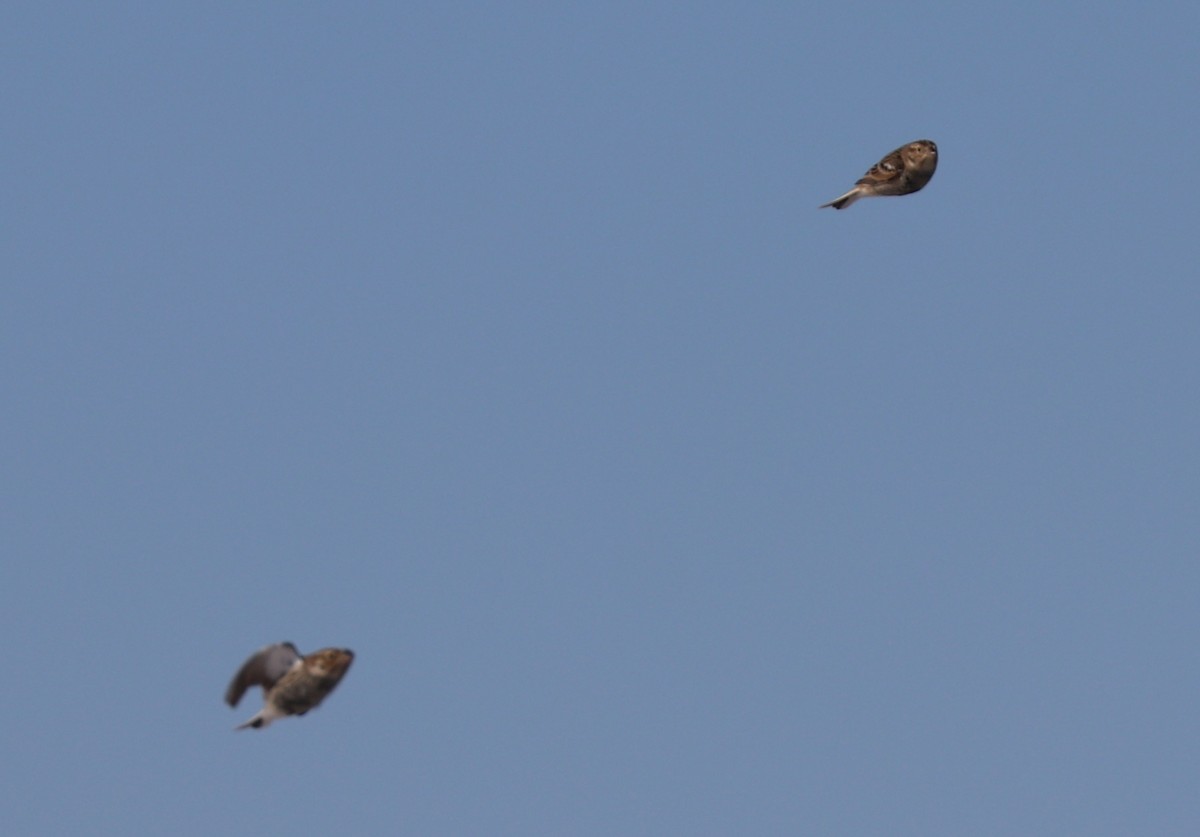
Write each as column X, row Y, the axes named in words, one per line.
column 257, row 722
column 845, row 200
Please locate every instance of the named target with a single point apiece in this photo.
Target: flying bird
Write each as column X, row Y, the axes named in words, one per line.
column 904, row 171
column 291, row 684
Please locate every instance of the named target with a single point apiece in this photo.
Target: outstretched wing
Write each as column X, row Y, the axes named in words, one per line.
column 264, row 668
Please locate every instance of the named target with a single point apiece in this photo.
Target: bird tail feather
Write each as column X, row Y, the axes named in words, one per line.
column 845, row 200
column 257, row 722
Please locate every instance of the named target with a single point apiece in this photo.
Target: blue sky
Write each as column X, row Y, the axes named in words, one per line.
column 506, row 345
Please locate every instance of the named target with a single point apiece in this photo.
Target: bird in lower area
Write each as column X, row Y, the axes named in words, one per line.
column 291, row 684
column 904, row 171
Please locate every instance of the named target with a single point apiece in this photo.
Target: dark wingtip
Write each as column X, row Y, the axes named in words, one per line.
column 233, row 694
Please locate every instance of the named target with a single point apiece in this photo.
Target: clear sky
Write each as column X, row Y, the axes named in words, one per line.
column 505, row 344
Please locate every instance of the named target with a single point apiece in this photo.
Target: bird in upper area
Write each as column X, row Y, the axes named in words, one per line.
column 904, row 171
column 291, row 684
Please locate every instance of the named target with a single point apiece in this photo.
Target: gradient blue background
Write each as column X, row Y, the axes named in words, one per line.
column 505, row 344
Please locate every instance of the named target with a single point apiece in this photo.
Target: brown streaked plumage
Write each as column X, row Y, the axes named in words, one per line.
column 291, row 684
column 904, row 171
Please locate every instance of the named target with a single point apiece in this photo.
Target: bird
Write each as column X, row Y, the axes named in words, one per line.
column 292, row 684
column 904, row 171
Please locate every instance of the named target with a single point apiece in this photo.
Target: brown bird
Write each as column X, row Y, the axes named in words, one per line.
column 904, row 171
column 291, row 684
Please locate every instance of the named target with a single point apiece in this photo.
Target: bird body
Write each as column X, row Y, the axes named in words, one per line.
column 292, row 684
column 904, row 171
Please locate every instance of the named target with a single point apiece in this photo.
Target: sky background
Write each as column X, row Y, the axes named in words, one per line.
column 504, row 343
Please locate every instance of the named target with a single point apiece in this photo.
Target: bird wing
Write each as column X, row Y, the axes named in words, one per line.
column 264, row 668
column 886, row 170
